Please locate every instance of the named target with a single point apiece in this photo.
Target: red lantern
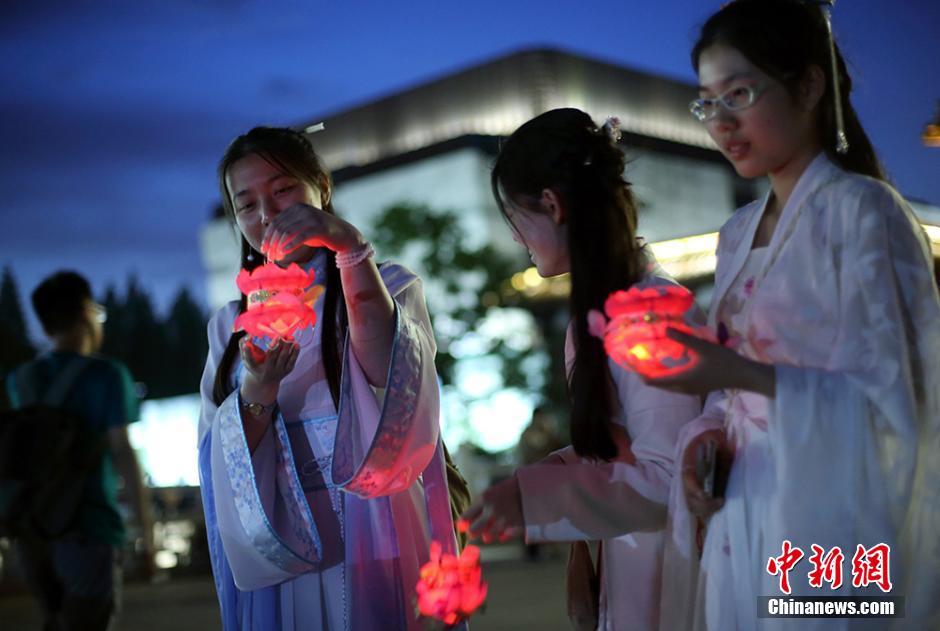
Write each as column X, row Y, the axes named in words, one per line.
column 635, row 335
column 279, row 301
column 451, row 588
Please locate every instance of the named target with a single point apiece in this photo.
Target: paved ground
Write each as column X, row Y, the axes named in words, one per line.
column 522, row 595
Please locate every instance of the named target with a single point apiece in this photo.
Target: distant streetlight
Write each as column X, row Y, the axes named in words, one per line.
column 931, row 134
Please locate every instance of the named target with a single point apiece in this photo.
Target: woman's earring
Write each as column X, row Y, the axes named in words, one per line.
column 251, row 256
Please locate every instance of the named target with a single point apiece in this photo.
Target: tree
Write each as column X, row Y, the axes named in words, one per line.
column 166, row 354
column 116, row 332
column 15, row 347
column 187, row 344
column 463, row 286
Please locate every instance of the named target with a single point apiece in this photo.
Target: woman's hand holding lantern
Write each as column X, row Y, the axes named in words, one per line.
column 717, row 368
column 645, row 330
column 635, row 326
column 266, row 369
column 302, row 225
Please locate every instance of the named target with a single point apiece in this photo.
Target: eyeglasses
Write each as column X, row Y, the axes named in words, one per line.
column 99, row 312
column 735, row 99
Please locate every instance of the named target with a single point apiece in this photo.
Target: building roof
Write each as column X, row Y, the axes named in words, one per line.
column 496, row 97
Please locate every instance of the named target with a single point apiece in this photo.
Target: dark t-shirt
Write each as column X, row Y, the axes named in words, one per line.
column 103, row 395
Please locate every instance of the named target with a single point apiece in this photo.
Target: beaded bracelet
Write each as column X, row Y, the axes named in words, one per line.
column 355, row 256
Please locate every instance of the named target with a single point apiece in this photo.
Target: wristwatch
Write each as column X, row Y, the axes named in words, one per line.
column 257, row 409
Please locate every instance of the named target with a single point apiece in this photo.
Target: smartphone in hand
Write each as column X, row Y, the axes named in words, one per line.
column 712, row 468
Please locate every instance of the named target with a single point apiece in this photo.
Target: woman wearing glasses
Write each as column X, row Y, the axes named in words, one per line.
column 825, row 387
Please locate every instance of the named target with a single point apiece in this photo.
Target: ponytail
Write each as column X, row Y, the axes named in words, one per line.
column 564, row 150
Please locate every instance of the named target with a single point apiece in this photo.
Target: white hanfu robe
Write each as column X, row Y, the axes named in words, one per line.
column 843, row 303
column 621, row 503
column 326, row 524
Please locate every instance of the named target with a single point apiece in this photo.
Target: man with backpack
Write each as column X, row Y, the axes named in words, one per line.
column 63, row 447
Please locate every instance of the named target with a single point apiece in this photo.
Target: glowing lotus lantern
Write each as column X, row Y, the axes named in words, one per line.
column 451, row 588
column 634, row 331
column 279, row 301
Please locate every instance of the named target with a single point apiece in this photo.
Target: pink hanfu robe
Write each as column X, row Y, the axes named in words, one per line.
column 326, row 524
column 843, row 303
column 621, row 503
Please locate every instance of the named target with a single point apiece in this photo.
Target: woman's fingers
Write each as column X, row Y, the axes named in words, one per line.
column 274, row 237
column 288, row 358
column 510, row 533
column 297, row 240
column 699, row 502
column 472, row 512
column 485, row 525
column 289, row 230
column 706, row 507
column 694, row 342
column 270, row 236
column 481, row 525
column 251, row 354
column 278, row 249
column 273, row 365
column 480, row 517
column 276, row 357
column 282, row 356
column 691, row 483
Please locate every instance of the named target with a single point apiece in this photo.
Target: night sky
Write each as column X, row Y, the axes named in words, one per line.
column 113, row 115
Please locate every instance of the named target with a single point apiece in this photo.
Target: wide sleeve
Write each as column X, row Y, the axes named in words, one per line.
column 260, row 527
column 384, row 443
column 866, row 425
column 585, row 499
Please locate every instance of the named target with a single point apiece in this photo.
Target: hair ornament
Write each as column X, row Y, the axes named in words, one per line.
column 612, row 129
column 312, row 129
column 842, row 141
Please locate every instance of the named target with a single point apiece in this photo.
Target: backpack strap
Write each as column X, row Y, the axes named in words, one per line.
column 27, row 382
column 60, row 388
column 24, row 383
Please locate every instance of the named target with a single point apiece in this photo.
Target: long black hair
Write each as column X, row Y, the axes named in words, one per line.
column 784, row 38
column 291, row 152
column 565, row 151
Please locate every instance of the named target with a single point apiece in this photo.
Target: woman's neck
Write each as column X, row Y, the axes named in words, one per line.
column 783, row 179
column 73, row 343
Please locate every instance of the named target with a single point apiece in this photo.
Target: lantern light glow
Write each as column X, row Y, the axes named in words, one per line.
column 451, row 587
column 634, row 330
column 279, row 301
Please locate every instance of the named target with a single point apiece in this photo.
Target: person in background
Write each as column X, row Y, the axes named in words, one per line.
column 539, row 438
column 76, row 577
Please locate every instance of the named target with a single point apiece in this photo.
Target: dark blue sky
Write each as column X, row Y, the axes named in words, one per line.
column 113, row 114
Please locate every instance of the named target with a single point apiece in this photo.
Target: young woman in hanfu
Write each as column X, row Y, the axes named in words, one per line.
column 829, row 376
column 322, row 470
column 559, row 182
